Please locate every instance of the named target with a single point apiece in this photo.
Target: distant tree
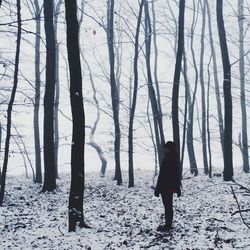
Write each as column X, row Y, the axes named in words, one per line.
column 244, row 132
column 11, row 102
column 114, row 90
column 37, row 93
column 76, row 216
column 203, row 96
column 228, row 151
column 134, row 98
column 49, row 152
column 176, row 83
column 93, row 128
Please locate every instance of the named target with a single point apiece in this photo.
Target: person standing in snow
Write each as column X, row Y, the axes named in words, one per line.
column 169, row 182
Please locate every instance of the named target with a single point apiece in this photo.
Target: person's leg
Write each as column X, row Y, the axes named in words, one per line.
column 167, row 200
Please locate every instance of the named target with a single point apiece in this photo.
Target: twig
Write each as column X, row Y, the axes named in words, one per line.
column 60, row 231
column 245, row 210
column 240, row 211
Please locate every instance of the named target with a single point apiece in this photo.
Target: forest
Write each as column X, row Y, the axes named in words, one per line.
column 91, row 92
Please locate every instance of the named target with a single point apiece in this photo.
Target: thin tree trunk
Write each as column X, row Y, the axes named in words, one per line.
column 76, row 215
column 151, row 91
column 114, row 91
column 153, row 141
column 10, row 105
column 187, row 93
column 176, row 83
column 49, row 152
column 57, row 89
column 228, row 151
column 208, row 127
column 92, row 142
column 191, row 102
column 156, row 73
column 134, row 98
column 37, row 94
column 0, row 147
column 244, row 148
column 203, row 97
column 216, row 81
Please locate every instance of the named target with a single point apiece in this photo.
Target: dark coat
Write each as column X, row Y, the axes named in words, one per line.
column 169, row 176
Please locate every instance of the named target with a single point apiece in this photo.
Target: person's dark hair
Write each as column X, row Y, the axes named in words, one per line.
column 170, row 145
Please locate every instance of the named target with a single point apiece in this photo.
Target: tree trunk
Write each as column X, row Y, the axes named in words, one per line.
column 187, row 98
column 49, row 152
column 76, row 216
column 114, row 90
column 10, row 105
column 191, row 102
column 92, row 142
column 37, row 94
column 160, row 116
column 176, row 83
column 134, row 98
column 203, row 97
column 208, row 127
column 57, row 89
column 228, row 151
column 159, row 135
column 0, row 147
column 244, row 148
column 216, row 81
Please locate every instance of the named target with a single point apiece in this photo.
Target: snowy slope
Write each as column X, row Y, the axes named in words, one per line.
column 123, row 218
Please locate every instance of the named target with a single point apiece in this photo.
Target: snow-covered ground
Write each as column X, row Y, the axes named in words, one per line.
column 125, row 218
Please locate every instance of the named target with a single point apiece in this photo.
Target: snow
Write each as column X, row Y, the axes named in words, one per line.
column 125, row 218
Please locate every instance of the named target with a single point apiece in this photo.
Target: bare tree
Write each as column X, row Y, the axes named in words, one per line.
column 216, row 80
column 157, row 118
column 57, row 86
column 203, row 96
column 191, row 100
column 244, row 146
column 49, row 151
column 228, row 151
column 37, row 93
column 76, row 215
column 10, row 105
column 134, row 98
column 114, row 90
column 176, row 83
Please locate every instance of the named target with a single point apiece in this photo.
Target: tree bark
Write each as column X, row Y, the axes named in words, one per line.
column 244, row 147
column 0, row 147
column 208, row 125
column 114, row 91
column 159, row 135
column 57, row 89
column 76, row 215
column 37, row 94
column 216, row 81
column 228, row 152
column 10, row 105
column 134, row 98
column 176, row 83
column 191, row 102
column 203, row 96
column 49, row 152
